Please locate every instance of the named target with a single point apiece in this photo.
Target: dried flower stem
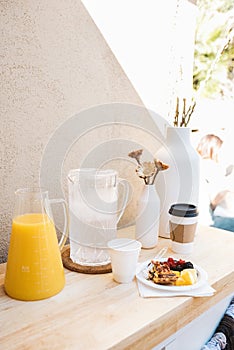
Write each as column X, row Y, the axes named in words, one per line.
column 147, row 170
column 136, row 155
column 154, row 177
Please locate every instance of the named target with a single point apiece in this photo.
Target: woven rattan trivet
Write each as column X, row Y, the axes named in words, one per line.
column 70, row 265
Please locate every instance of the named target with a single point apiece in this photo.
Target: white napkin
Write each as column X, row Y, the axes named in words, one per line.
column 145, row 291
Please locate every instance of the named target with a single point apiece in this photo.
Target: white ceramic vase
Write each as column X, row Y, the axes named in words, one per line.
column 147, row 219
column 180, row 182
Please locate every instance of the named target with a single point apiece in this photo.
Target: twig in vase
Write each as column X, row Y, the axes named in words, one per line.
column 190, row 112
column 177, row 112
column 186, row 114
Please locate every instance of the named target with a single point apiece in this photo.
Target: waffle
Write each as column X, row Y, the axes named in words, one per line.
column 161, row 273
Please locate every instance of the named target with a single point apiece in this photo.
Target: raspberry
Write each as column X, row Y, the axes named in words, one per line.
column 180, row 262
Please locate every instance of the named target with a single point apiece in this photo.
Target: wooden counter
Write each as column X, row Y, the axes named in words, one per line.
column 94, row 312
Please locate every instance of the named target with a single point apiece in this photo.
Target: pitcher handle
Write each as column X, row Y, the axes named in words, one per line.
column 66, row 223
column 125, row 197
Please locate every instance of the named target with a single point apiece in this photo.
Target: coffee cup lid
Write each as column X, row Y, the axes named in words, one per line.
column 183, row 210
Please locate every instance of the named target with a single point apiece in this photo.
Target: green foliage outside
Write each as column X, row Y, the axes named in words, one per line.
column 213, row 75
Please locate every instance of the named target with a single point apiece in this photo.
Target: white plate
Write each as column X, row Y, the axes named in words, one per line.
column 201, row 279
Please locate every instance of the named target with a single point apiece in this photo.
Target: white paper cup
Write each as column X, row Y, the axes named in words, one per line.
column 124, row 253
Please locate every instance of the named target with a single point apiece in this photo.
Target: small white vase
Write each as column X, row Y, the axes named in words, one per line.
column 180, row 182
column 147, row 220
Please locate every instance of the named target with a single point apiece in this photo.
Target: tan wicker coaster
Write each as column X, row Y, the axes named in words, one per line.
column 70, row 265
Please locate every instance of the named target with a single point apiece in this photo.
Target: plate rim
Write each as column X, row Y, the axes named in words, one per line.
column 142, row 279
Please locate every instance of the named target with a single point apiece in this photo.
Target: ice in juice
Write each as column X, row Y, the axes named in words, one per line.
column 34, row 266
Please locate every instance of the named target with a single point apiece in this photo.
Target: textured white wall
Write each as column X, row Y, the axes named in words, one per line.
column 54, row 63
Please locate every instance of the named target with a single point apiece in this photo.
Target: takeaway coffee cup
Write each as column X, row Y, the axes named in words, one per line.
column 183, row 224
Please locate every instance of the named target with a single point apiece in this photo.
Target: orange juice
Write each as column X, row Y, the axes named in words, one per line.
column 34, row 265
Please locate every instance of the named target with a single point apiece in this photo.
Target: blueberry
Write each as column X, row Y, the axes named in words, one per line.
column 188, row 265
column 178, row 268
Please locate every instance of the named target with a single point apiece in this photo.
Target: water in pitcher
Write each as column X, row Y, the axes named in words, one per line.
column 88, row 242
column 93, row 206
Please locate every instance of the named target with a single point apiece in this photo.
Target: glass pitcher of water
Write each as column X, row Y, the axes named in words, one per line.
column 97, row 200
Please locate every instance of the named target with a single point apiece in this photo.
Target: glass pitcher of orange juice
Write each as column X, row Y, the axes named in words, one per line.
column 34, row 265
